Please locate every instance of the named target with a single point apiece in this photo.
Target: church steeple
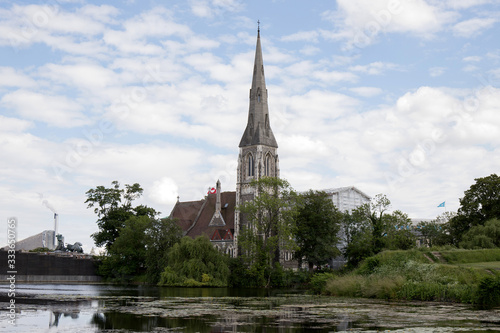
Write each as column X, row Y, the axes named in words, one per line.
column 258, row 130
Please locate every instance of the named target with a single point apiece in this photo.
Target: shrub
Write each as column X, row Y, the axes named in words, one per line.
column 488, row 293
column 318, row 282
column 369, row 265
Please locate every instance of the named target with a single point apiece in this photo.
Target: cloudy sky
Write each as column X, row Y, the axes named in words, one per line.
column 399, row 97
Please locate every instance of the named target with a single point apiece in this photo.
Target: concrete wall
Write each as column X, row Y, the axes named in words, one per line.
column 51, row 268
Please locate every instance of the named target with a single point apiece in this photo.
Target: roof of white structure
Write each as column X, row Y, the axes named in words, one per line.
column 344, row 189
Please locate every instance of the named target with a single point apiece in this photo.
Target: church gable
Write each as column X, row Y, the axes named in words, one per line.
column 207, row 220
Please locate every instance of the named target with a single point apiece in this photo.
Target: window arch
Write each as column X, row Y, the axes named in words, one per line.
column 268, row 165
column 250, row 165
column 258, row 95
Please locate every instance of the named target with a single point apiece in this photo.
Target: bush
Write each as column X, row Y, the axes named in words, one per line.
column 368, row 266
column 318, row 282
column 488, row 293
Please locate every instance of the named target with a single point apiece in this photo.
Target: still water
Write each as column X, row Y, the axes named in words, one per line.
column 101, row 308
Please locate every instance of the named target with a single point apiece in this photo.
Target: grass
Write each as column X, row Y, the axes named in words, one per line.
column 408, row 275
column 489, row 265
column 461, row 256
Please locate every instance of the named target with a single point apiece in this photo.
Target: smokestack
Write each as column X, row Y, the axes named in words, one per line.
column 55, row 230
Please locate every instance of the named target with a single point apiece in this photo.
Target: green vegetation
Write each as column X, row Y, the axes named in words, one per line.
column 409, row 275
column 40, row 250
column 460, row 256
column 369, row 230
column 317, row 226
column 195, row 263
column 136, row 241
column 480, row 203
column 269, row 222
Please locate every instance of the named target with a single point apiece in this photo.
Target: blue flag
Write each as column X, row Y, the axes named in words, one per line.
column 442, row 204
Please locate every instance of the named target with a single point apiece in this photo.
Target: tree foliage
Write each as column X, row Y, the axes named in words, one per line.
column 270, row 220
column 161, row 235
column 481, row 202
column 317, row 227
column 126, row 256
column 195, row 262
column 113, row 207
column 482, row 236
column 370, row 229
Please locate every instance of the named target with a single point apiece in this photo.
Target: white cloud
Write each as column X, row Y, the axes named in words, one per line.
column 302, row 36
column 13, row 124
column 462, row 4
column 9, row 77
column 472, row 59
column 437, row 71
column 164, row 191
column 375, row 68
column 211, row 8
column 57, row 111
column 366, row 91
column 364, row 20
column 470, row 68
column 473, row 27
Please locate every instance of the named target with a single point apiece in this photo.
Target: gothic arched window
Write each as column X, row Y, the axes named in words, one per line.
column 250, row 165
column 268, row 166
column 258, row 95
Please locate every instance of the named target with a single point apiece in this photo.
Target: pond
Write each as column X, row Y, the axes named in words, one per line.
column 103, row 308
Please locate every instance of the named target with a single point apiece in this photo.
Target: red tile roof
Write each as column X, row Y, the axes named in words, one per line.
column 194, row 216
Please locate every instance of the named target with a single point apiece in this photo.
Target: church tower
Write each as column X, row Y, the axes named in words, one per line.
column 258, row 155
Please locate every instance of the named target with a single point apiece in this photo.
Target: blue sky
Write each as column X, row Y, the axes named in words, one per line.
column 393, row 96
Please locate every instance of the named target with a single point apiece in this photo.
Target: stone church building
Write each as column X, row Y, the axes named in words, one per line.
column 216, row 215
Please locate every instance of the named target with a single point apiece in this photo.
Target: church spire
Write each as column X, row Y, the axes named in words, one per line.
column 258, row 130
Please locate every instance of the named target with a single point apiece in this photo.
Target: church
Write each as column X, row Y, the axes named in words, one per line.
column 216, row 215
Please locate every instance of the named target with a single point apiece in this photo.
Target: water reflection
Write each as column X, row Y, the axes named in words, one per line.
column 146, row 309
column 54, row 317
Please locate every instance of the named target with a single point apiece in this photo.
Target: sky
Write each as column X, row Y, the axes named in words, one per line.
column 399, row 97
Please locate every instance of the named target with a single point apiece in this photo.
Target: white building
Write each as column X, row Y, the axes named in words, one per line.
column 347, row 198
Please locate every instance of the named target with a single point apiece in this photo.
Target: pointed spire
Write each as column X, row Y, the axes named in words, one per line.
column 258, row 130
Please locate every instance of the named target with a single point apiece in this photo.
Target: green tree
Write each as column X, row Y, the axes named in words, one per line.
column 356, row 236
column 436, row 232
column 379, row 206
column 161, row 235
column 399, row 231
column 125, row 258
column 369, row 229
column 195, row 262
column 269, row 228
column 480, row 203
column 482, row 236
column 317, row 227
column 113, row 207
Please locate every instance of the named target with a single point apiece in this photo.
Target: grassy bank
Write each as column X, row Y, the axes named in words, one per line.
column 410, row 275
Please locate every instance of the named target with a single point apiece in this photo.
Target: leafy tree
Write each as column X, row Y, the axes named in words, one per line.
column 317, row 226
column 113, row 207
column 379, row 206
column 482, row 236
column 270, row 216
column 126, row 256
column 161, row 235
column 399, row 234
column 436, row 232
column 480, row 203
column 369, row 229
column 195, row 262
column 270, row 220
